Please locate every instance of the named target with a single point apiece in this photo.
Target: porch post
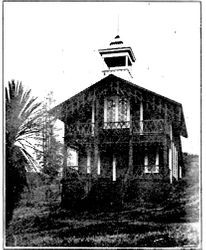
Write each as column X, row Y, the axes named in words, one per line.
column 157, row 161
column 175, row 167
column 130, row 156
column 145, row 170
column 64, row 154
column 114, row 168
column 170, row 163
column 180, row 172
column 89, row 161
column 98, row 165
column 93, row 116
column 165, row 159
column 141, row 118
column 96, row 137
column 177, row 164
column 130, row 147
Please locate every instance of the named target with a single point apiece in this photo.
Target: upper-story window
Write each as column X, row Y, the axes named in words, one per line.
column 116, row 112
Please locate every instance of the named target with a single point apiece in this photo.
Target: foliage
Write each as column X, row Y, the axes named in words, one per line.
column 191, row 168
column 51, row 155
column 22, row 127
column 104, row 195
column 72, row 189
column 52, row 159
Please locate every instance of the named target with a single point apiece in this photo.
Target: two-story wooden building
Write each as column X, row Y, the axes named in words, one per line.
column 119, row 128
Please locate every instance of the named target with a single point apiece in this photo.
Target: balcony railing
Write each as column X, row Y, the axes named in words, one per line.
column 146, row 127
column 117, row 125
column 150, row 127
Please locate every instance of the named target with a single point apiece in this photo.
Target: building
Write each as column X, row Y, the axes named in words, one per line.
column 121, row 129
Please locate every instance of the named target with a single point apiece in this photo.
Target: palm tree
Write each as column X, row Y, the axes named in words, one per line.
column 23, row 126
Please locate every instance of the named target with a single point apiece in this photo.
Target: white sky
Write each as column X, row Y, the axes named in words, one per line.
column 54, row 46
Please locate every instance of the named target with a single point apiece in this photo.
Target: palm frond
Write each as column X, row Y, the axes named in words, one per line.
column 23, row 118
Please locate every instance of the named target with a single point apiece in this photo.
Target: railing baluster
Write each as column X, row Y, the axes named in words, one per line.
column 145, row 127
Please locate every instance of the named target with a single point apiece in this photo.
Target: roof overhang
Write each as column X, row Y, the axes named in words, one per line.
column 117, row 51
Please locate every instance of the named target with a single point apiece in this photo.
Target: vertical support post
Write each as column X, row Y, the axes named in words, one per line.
column 165, row 158
column 146, row 163
column 130, row 163
column 173, row 159
column 114, row 168
column 116, row 108
column 96, row 136
column 175, row 167
column 130, row 155
column 93, row 117
column 105, row 111
column 180, row 172
column 170, row 163
column 166, row 125
column 126, row 63
column 65, row 154
column 130, row 148
column 89, row 161
column 141, row 118
column 157, row 158
column 96, row 154
column 157, row 161
column 64, row 167
column 171, row 137
column 177, row 163
column 99, row 165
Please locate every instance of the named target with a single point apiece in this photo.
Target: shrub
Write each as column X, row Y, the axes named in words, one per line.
column 104, row 194
column 72, row 190
column 144, row 191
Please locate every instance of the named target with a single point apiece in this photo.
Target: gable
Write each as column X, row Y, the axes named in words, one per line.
column 113, row 85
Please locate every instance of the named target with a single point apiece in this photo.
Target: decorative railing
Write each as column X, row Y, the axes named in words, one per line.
column 81, row 129
column 117, row 125
column 150, row 127
column 146, row 127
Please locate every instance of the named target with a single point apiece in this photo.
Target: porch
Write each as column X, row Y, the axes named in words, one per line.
column 109, row 132
column 112, row 161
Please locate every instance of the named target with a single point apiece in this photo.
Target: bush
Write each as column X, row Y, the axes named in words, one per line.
column 104, row 194
column 72, row 190
column 144, row 191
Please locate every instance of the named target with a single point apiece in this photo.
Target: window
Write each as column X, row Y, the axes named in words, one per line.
column 116, row 112
column 123, row 109
column 111, row 109
column 72, row 158
column 151, row 163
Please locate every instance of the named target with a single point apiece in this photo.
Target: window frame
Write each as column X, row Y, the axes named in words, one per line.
column 116, row 100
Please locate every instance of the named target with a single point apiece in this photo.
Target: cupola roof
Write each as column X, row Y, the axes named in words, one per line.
column 117, row 41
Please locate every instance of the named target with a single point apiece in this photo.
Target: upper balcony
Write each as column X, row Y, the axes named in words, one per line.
column 125, row 128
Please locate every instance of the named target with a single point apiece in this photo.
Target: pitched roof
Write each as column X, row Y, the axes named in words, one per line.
column 110, row 79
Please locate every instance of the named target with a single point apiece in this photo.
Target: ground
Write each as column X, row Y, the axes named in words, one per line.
column 39, row 221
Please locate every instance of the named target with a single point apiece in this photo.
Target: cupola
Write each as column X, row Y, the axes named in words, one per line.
column 118, row 59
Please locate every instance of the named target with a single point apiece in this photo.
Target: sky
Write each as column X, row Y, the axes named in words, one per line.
column 53, row 46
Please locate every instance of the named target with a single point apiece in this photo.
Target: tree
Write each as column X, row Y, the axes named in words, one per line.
column 23, row 126
column 52, row 156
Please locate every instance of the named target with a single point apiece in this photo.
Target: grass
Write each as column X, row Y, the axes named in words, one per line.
column 102, row 229
column 41, row 227
column 43, row 223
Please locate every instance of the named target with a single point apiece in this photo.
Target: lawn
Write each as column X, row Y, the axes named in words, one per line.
column 62, row 228
column 42, row 222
